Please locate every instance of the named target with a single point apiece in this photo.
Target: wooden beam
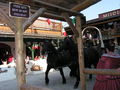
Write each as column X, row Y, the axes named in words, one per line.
column 53, row 16
column 102, row 71
column 45, row 14
column 30, row 21
column 4, row 17
column 58, row 7
column 84, row 5
column 66, row 17
column 50, row 15
column 80, row 53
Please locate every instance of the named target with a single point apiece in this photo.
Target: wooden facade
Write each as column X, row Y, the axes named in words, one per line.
column 109, row 25
column 39, row 29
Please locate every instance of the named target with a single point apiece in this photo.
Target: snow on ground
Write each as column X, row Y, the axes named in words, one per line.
column 9, row 75
column 37, row 79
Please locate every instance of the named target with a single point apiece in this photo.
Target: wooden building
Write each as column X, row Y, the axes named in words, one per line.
column 39, row 31
column 109, row 25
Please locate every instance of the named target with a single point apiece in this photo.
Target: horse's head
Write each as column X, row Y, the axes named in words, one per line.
column 69, row 44
column 88, row 43
column 47, row 47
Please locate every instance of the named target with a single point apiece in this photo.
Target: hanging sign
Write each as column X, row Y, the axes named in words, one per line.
column 18, row 10
column 110, row 14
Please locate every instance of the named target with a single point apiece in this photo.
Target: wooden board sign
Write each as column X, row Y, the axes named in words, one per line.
column 110, row 14
column 18, row 10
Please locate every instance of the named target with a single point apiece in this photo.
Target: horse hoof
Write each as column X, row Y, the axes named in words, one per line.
column 47, row 82
column 72, row 74
column 75, row 87
column 90, row 79
column 64, row 82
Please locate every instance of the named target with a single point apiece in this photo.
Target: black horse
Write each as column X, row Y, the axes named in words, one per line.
column 55, row 59
column 67, row 55
column 91, row 57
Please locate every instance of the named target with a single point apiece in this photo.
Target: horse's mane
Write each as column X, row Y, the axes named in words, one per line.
column 70, row 44
column 49, row 47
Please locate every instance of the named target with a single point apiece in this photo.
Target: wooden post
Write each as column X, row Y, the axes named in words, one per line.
column 81, row 53
column 20, row 60
column 78, row 34
column 24, row 50
column 20, row 65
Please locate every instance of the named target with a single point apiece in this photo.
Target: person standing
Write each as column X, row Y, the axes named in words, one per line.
column 109, row 60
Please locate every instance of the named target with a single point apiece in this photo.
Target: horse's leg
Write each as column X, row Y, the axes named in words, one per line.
column 90, row 75
column 62, row 74
column 77, row 79
column 77, row 82
column 46, row 75
column 72, row 71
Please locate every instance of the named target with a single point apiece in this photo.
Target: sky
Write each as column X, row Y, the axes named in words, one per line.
column 100, row 7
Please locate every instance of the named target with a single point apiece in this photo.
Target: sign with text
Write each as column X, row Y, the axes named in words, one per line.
column 18, row 10
column 110, row 14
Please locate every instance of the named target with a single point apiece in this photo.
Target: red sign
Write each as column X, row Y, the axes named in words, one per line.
column 18, row 10
column 110, row 14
